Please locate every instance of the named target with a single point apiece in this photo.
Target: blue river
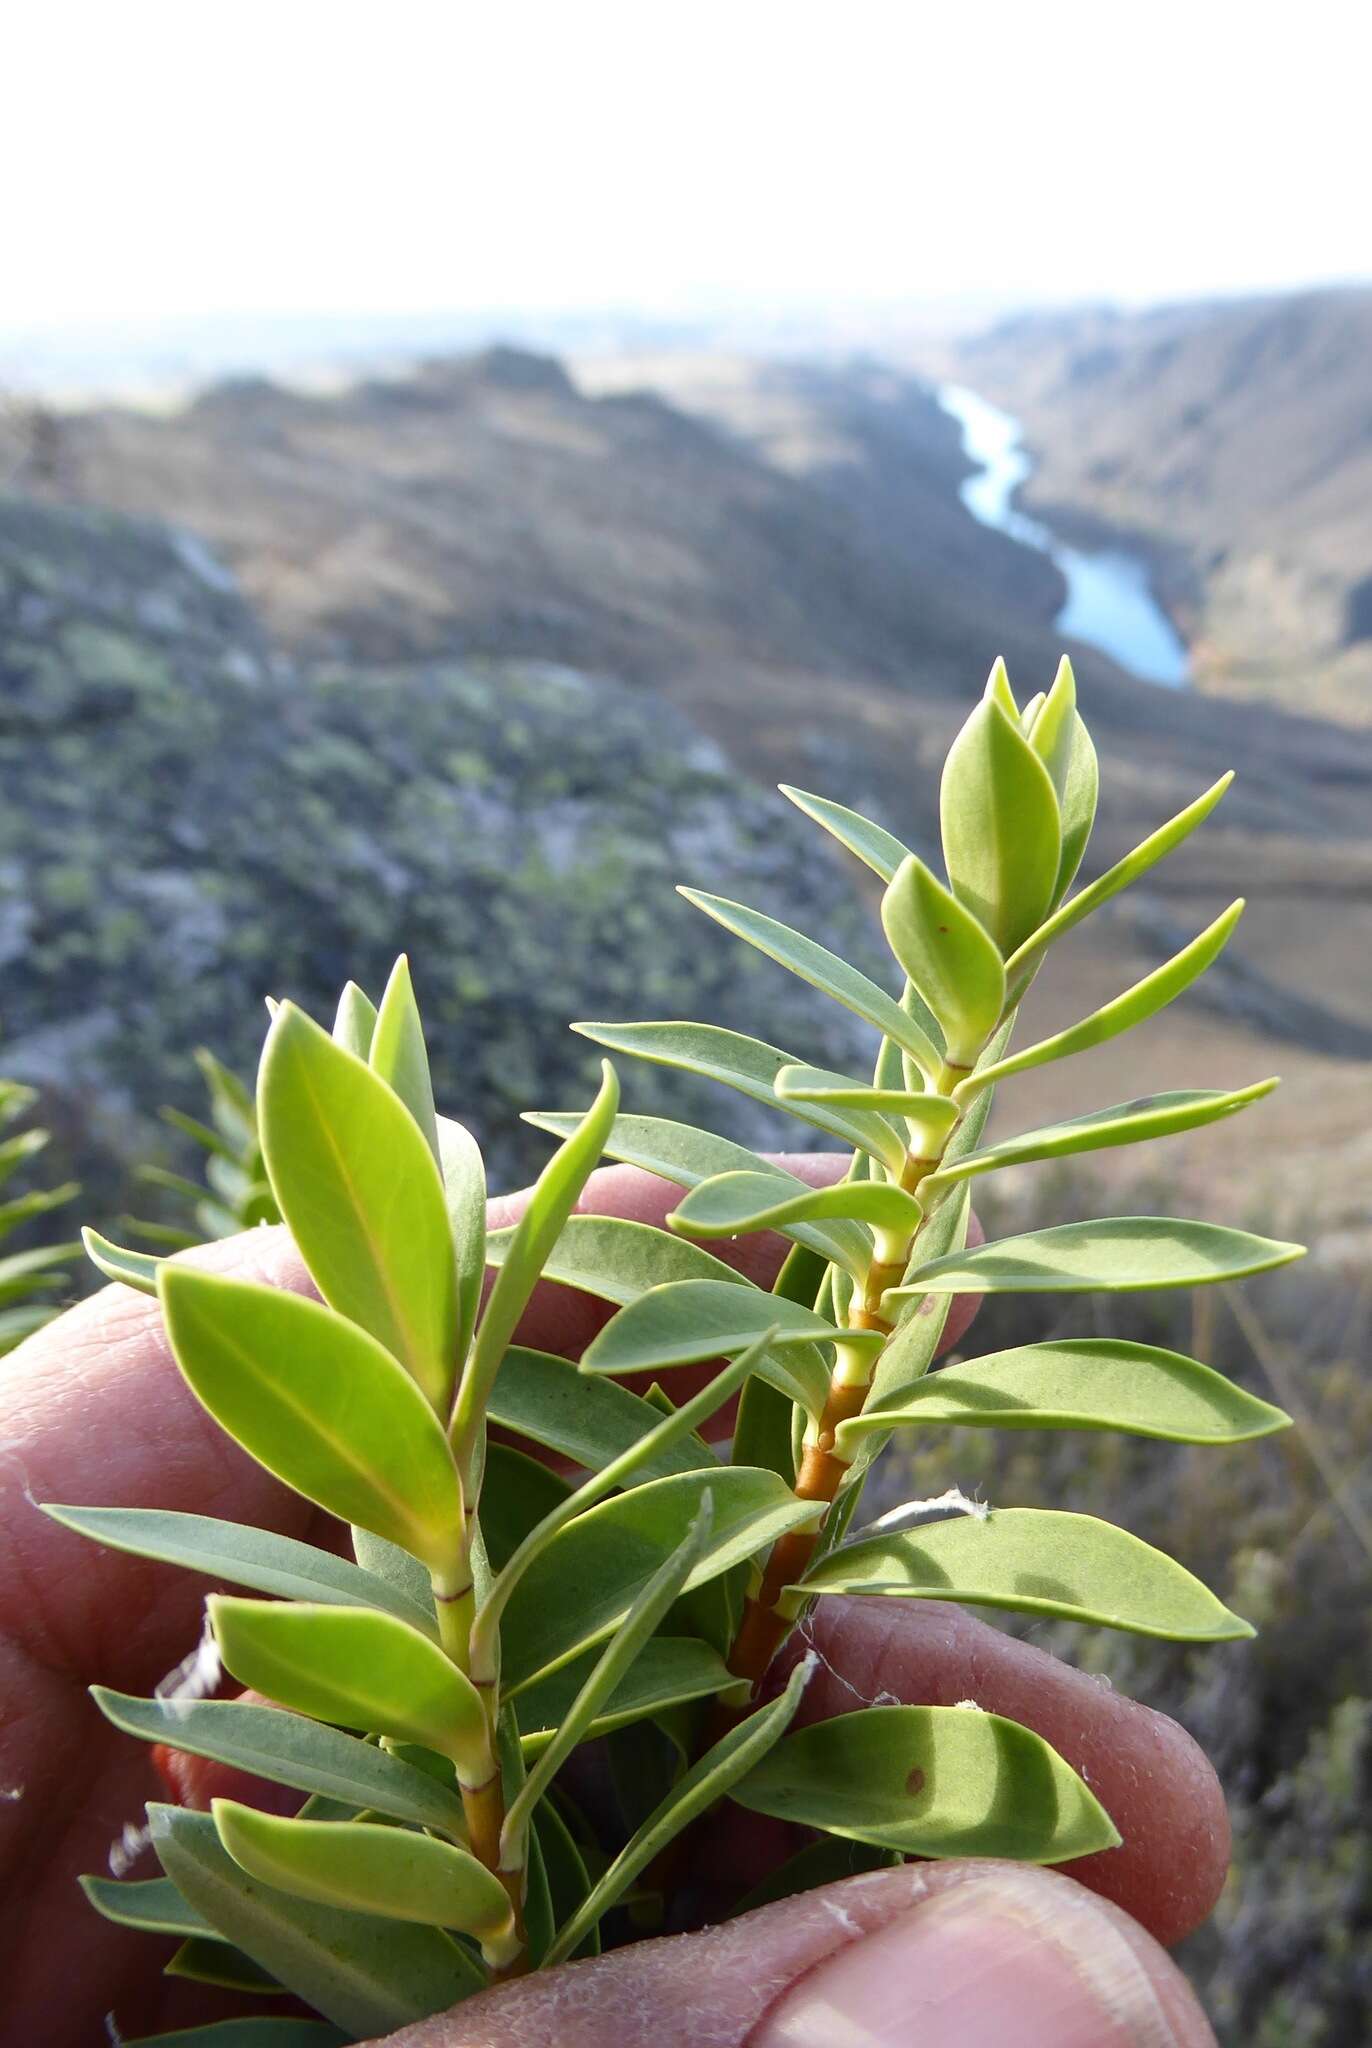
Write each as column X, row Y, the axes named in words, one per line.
column 1110, row 602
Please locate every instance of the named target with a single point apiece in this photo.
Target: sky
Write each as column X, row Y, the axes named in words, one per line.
column 165, row 162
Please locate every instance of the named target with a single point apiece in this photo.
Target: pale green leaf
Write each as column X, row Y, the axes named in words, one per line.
column 879, row 849
column 585, row 1581
column 1125, row 1123
column 289, row 1750
column 464, row 1188
column 1002, row 832
column 355, row 1021
column 1079, row 1383
column 366, row 1868
column 257, row 1558
column 1035, row 1561
column 751, row 1067
column 367, row 1974
column 355, row 1666
column 825, row 971
column 360, row 1191
column 617, row 1260
column 1114, row 1253
column 949, row 957
column 153, row 1905
column 667, row 1672
column 1135, row 1006
column 132, row 1269
column 398, row 1054
column 1022, row 964
column 318, row 1402
column 733, row 1203
column 931, row 1781
column 202, row 1961
column 588, row 1420
column 812, row 1084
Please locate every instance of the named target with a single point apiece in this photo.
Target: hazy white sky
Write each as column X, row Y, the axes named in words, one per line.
column 323, row 156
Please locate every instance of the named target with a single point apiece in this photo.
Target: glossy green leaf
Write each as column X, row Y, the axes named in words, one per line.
column 355, row 1021
column 132, row 1269
column 523, row 1258
column 583, row 1584
column 588, row 1420
column 399, row 1055
column 257, row 1558
column 1022, row 964
column 614, row 1664
column 464, row 1189
column 1035, row 1561
column 879, row 849
column 749, row 1066
column 289, row 1750
column 367, row 1974
column 1135, row 1006
column 692, row 1320
column 267, row 2032
column 1125, row 1123
column 366, row 1868
column 948, row 955
column 695, row 1792
column 153, row 1905
column 668, row 1671
column 360, row 1191
column 1113, row 1253
column 733, row 1203
column 617, row 1260
column 825, row 971
column 355, row 1666
column 1079, row 1383
column 931, row 1781
column 1002, row 832
column 319, row 1403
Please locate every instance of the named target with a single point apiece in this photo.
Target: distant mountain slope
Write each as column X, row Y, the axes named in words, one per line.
column 1237, row 438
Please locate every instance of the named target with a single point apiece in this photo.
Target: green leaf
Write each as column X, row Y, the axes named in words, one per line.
column 399, row 1569
column 1022, row 965
column 1035, row 1561
column 749, row 1066
column 520, row 1494
column 733, row 1203
column 568, row 1882
column 524, row 1253
column 931, row 1781
column 825, row 971
column 1113, row 1253
column 1135, row 1006
column 365, row 1973
column 588, row 1420
column 359, row 1189
column 1002, row 832
column 267, row 2032
column 706, row 1782
column 290, row 1751
column 1125, row 1123
column 366, row 1868
column 692, row 1320
column 686, row 1156
column 464, row 1188
column 998, row 691
column 245, row 1557
column 24, row 1272
column 319, row 1403
column 584, row 1583
column 1080, row 1383
column 617, row 1260
column 153, row 1905
column 667, row 1671
column 645, row 1615
column 355, row 1666
column 879, row 849
column 813, row 1084
column 1060, row 739
column 133, row 1269
column 399, row 1055
column 949, row 957
column 219, row 1962
column 355, row 1022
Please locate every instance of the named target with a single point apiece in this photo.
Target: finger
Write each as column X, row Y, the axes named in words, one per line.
column 954, row 1955
column 1154, row 1781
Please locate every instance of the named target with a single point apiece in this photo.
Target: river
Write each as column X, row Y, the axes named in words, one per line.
column 1110, row 602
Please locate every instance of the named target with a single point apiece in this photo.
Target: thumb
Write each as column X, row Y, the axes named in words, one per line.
column 952, row 1955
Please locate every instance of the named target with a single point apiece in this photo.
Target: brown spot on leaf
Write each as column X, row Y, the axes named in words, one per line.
column 915, row 1782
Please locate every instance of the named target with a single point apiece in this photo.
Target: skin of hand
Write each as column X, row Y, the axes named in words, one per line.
column 93, row 1411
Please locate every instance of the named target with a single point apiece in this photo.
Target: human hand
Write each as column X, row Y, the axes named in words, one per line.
column 93, row 1409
